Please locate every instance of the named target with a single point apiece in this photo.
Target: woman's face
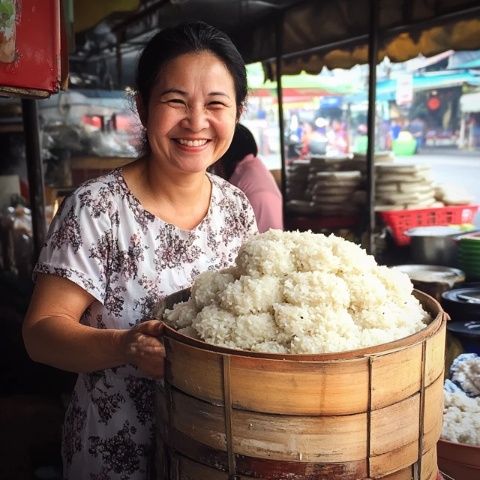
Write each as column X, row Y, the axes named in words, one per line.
column 191, row 115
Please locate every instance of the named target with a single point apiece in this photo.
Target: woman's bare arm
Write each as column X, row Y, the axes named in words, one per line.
column 53, row 334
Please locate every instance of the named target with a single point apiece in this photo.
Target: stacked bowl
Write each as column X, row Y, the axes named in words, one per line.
column 469, row 255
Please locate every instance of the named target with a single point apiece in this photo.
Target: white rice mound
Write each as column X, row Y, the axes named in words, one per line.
column 461, row 418
column 461, row 411
column 300, row 292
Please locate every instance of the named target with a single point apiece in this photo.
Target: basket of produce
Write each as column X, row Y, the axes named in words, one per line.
column 459, row 447
column 306, row 360
column 399, row 221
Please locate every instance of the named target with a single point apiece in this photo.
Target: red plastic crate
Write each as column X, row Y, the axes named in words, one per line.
column 401, row 220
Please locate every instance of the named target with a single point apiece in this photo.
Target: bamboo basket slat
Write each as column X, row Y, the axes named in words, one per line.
column 188, row 368
column 288, row 387
column 294, row 388
column 435, row 356
column 366, row 414
column 432, row 427
column 300, row 388
column 407, row 381
column 310, row 439
column 305, row 388
column 405, row 474
column 406, row 415
column 429, row 468
column 278, row 437
column 393, row 460
column 256, row 467
column 188, row 469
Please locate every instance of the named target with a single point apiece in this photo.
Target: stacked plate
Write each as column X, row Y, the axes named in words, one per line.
column 297, row 180
column 400, row 186
column 336, row 193
column 469, row 255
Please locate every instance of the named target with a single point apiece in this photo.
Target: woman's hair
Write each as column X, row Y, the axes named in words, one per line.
column 243, row 144
column 191, row 37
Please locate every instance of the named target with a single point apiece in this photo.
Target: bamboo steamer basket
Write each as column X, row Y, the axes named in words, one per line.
column 372, row 413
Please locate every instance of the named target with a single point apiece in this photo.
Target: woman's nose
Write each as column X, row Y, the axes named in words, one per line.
column 196, row 118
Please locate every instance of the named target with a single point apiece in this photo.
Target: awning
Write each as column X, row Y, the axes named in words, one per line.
column 300, row 85
column 331, row 33
column 470, row 102
column 88, row 13
column 335, row 34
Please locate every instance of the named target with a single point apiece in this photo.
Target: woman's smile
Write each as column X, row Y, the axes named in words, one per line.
column 192, row 142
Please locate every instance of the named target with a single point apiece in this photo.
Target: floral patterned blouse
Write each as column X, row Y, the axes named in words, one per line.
column 127, row 259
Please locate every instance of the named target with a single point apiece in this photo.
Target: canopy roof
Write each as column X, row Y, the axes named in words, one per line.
column 315, row 33
column 299, row 85
column 472, row 64
column 386, row 89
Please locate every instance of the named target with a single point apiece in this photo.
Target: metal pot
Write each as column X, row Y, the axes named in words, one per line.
column 432, row 279
column 434, row 245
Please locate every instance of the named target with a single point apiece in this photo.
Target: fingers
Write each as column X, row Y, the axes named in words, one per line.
column 146, row 344
column 150, row 327
column 145, row 349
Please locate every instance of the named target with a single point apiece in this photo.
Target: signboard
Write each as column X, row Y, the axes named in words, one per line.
column 331, row 102
column 31, row 48
column 404, row 89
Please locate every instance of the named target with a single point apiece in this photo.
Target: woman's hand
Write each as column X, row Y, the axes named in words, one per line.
column 144, row 349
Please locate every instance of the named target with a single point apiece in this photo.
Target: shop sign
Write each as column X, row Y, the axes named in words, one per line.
column 33, row 60
column 404, row 89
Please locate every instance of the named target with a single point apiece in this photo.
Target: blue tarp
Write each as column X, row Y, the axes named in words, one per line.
column 471, row 64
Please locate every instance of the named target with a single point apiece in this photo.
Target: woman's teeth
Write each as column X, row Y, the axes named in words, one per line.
column 192, row 143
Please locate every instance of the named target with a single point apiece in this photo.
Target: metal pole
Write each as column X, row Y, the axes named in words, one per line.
column 118, row 52
column 35, row 174
column 372, row 96
column 278, row 64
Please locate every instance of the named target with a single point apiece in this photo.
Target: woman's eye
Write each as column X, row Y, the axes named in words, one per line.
column 175, row 102
column 216, row 104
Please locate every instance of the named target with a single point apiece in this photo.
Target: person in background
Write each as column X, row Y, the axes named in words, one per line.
column 242, row 168
column 122, row 242
column 418, row 130
column 395, row 128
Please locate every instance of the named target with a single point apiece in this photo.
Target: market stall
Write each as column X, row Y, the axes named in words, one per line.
column 287, row 37
column 33, row 64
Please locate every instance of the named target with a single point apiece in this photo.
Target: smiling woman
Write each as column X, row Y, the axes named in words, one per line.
column 123, row 241
column 189, row 121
